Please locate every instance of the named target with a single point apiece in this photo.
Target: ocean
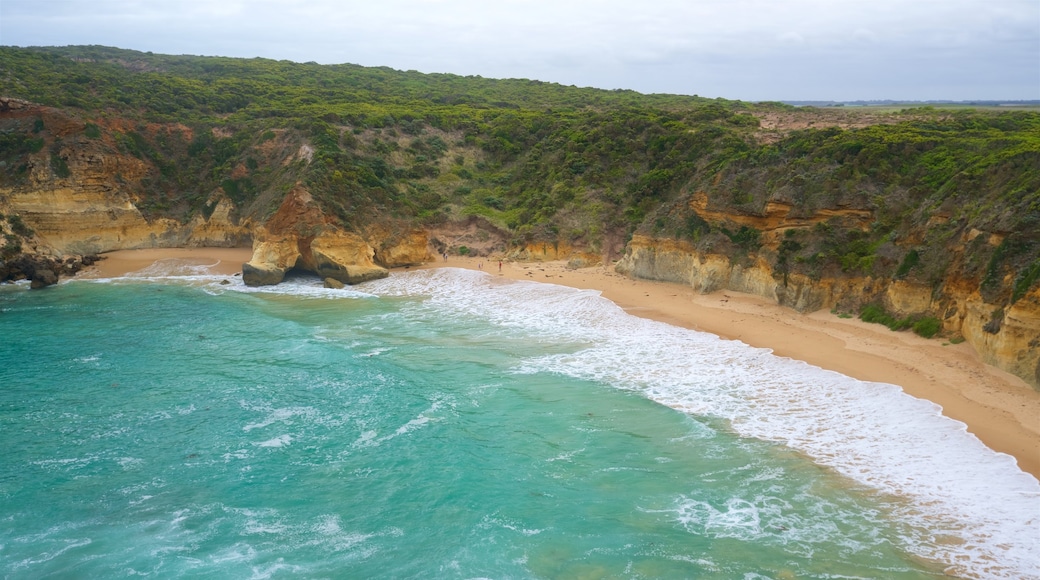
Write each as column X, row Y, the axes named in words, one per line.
column 451, row 424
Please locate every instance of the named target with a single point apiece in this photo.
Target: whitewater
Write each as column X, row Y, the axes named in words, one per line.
column 450, row 423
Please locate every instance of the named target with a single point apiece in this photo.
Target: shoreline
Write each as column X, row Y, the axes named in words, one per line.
column 218, row 261
column 1000, row 409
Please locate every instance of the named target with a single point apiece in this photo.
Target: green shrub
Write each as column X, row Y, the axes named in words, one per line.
column 92, row 131
column 18, row 226
column 911, row 259
column 745, row 237
column 463, row 251
column 1025, row 280
column 12, row 246
column 927, row 327
column 876, row 313
column 60, row 167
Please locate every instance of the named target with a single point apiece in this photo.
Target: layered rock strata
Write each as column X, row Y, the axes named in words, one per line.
column 1011, row 344
column 299, row 235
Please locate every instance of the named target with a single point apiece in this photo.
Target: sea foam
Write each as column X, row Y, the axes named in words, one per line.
column 960, row 503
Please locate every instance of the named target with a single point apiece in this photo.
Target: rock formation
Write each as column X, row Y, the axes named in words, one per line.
column 89, row 206
column 1012, row 345
column 345, row 201
column 299, row 235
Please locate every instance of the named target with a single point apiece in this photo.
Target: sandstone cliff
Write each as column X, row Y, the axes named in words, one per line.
column 79, row 195
column 300, row 235
column 74, row 195
column 1006, row 337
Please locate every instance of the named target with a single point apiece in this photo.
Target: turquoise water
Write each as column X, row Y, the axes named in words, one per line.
column 448, row 424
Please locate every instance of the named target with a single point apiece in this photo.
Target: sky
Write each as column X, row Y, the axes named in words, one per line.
column 751, row 50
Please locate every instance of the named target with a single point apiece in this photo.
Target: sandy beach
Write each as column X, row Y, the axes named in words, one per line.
column 1000, row 409
column 997, row 407
column 218, row 261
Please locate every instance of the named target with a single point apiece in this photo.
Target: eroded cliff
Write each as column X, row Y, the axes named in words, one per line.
column 928, row 214
column 1005, row 332
column 74, row 192
column 299, row 235
column 79, row 194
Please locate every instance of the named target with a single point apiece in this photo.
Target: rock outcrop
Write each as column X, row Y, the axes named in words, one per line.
column 345, row 257
column 89, row 205
column 42, row 270
column 538, row 252
column 404, row 246
column 1011, row 344
column 299, row 235
column 43, row 278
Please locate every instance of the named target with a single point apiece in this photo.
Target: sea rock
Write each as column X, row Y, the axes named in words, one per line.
column 43, row 278
column 334, row 284
column 270, row 261
column 345, row 257
column 299, row 236
column 261, row 275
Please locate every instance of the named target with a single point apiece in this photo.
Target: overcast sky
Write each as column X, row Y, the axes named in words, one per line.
column 736, row 49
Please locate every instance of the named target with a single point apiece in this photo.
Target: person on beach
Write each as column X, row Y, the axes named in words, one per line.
column 500, row 265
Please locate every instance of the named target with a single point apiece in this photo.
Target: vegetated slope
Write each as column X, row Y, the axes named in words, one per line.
column 886, row 201
column 945, row 202
column 380, row 140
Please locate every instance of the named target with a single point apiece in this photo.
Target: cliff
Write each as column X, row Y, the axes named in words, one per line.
column 922, row 218
column 79, row 195
column 1005, row 335
column 73, row 195
column 299, row 235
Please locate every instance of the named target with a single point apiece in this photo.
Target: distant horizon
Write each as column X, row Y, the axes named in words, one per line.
column 749, row 50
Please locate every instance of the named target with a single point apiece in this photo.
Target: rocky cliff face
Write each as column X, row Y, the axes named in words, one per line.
column 823, row 236
column 1008, row 338
column 79, row 196
column 299, row 235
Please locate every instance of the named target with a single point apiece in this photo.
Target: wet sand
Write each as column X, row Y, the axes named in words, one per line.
column 217, row 261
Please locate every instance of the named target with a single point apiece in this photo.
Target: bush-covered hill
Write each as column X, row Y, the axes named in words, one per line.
column 549, row 163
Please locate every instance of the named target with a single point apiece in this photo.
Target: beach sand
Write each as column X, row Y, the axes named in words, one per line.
column 997, row 407
column 1000, row 409
column 218, row 261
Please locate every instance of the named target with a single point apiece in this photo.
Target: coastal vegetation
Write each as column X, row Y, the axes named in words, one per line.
column 914, row 195
column 926, row 326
